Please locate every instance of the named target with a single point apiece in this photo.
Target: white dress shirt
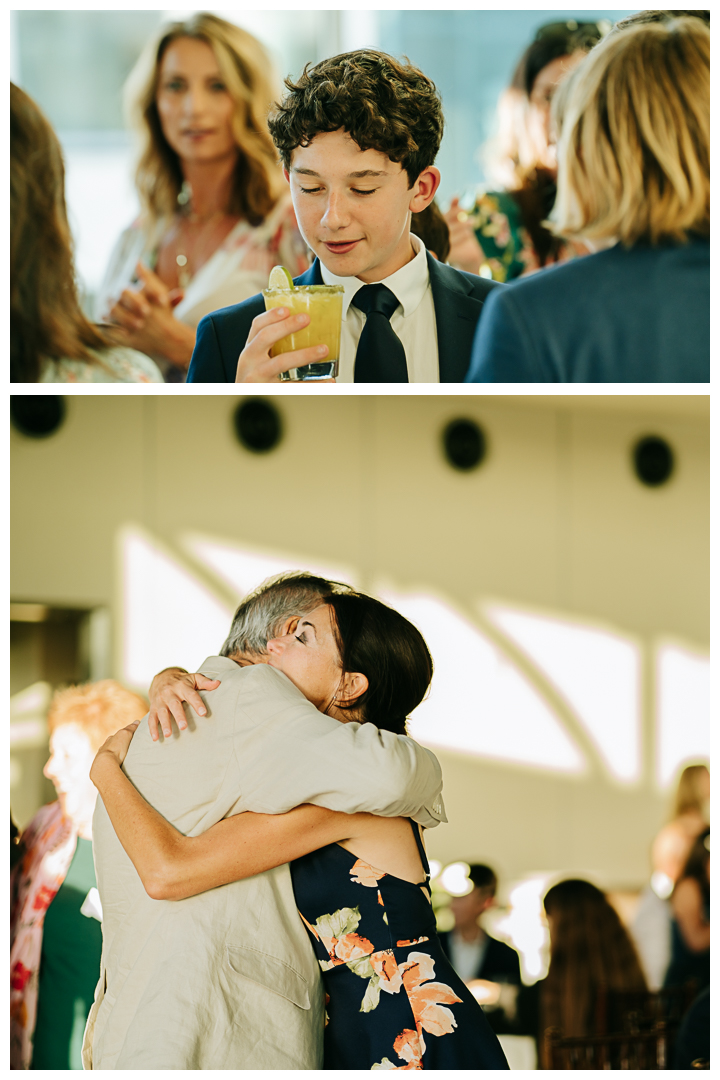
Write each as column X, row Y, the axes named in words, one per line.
column 413, row 320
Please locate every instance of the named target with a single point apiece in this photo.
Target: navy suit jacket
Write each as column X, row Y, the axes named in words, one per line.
column 458, row 298
column 499, row 964
column 623, row 315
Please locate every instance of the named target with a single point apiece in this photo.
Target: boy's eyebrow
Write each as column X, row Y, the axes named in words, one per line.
column 351, row 176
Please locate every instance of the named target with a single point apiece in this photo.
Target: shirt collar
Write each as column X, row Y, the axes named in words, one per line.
column 408, row 283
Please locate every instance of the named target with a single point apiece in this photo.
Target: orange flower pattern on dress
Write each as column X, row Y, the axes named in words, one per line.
column 364, row 874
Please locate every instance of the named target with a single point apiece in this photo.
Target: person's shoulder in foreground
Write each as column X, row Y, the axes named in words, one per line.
column 621, row 315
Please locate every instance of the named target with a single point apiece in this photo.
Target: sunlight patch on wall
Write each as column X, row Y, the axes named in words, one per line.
column 169, row 617
column 242, row 569
column 480, row 703
column 683, row 714
column 597, row 672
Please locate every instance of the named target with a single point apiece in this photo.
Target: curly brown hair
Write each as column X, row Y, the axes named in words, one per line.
column 381, row 103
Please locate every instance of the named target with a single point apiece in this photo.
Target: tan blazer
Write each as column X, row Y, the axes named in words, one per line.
column 228, row 979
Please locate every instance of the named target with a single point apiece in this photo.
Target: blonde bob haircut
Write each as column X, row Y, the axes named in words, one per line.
column 634, row 146
column 248, row 74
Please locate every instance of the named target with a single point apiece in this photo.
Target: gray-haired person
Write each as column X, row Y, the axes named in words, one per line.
column 227, row 978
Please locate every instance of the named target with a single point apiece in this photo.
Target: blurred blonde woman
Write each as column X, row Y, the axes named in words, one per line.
column 215, row 209
column 633, row 185
column 51, row 339
column 55, row 938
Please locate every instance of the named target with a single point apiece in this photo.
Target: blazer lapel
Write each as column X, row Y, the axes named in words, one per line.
column 312, row 276
column 456, row 316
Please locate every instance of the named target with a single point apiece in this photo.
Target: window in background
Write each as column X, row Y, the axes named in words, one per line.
column 683, row 710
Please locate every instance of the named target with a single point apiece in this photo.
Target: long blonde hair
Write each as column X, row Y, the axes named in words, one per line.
column 247, row 71
column 634, row 149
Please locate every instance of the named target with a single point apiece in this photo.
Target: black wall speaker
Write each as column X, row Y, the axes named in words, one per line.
column 653, row 460
column 464, row 444
column 257, row 425
column 37, row 415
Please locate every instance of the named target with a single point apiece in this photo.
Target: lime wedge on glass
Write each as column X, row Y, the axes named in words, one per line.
column 280, row 278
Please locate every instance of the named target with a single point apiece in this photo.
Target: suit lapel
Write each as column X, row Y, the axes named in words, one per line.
column 456, row 316
column 312, row 276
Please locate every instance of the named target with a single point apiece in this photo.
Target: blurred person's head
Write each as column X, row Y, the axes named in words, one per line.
column 641, row 18
column 589, row 948
column 692, row 796
column 357, row 135
column 199, row 94
column 634, row 149
column 80, row 719
column 432, row 228
column 467, row 909
column 46, row 320
column 524, row 141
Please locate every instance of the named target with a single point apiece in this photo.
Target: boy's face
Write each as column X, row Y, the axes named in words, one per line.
column 353, row 206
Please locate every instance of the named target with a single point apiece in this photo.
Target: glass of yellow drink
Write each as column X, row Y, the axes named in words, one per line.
column 323, row 303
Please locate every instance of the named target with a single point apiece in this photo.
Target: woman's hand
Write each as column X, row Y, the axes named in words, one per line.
column 465, row 251
column 167, row 692
column 116, row 747
column 147, row 323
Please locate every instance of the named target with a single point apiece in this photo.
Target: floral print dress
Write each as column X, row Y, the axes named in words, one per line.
column 393, row 1000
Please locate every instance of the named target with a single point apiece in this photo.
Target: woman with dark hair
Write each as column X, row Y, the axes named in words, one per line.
column 51, row 340
column 504, row 230
column 360, row 881
column 590, row 949
column 215, row 213
column 690, row 928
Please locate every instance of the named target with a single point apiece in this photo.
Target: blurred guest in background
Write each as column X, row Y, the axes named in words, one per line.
column 50, row 338
column 634, row 183
column 690, row 901
column 54, row 911
column 590, row 949
column 431, row 227
column 505, row 228
column 216, row 213
column 651, row 927
column 488, row 966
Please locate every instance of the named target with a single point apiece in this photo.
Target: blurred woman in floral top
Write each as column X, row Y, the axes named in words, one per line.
column 503, row 235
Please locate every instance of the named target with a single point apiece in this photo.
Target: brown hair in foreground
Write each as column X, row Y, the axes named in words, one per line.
column 589, row 948
column 248, row 75
column 46, row 321
column 99, row 709
column 634, row 149
column 381, row 103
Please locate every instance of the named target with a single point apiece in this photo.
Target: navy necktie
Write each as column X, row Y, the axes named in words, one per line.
column 380, row 356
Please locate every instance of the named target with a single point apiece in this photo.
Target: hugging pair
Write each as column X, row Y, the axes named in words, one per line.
column 213, row 946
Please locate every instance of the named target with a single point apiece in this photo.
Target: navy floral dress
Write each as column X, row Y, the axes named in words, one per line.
column 393, row 1000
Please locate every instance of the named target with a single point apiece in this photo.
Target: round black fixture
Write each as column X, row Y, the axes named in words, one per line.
column 654, row 461
column 257, row 425
column 465, row 444
column 37, row 416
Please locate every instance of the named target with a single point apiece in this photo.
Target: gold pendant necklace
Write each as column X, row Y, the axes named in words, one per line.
column 186, row 214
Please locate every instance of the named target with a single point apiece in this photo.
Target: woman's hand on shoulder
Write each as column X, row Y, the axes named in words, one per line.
column 168, row 690
column 115, row 749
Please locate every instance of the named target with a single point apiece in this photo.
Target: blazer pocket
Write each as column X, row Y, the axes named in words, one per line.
column 268, row 971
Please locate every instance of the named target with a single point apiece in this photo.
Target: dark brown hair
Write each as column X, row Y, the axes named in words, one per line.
column 381, row 644
column 590, row 948
column 46, row 321
column 697, row 866
column 432, row 228
column 381, row 103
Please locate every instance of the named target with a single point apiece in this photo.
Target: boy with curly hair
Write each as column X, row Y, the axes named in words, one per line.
column 357, row 136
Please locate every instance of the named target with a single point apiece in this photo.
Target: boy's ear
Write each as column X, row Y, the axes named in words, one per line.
column 425, row 189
